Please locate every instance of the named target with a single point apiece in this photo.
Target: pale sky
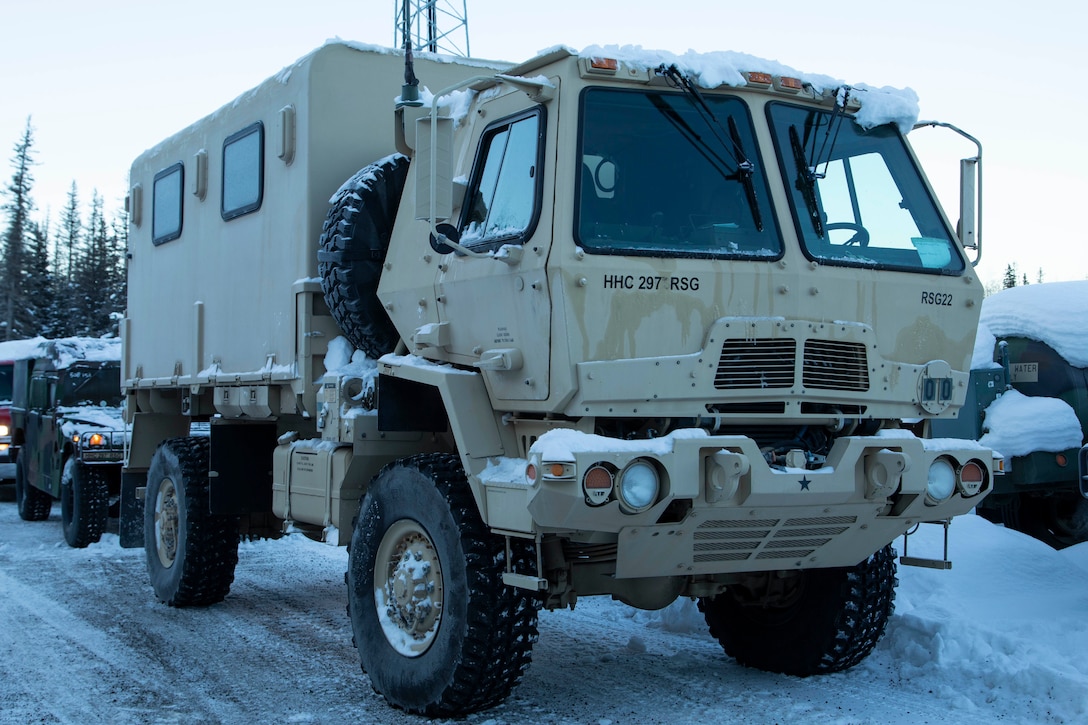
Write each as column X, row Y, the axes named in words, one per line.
column 104, row 81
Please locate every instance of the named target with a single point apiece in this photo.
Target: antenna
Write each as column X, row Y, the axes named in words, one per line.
column 436, row 26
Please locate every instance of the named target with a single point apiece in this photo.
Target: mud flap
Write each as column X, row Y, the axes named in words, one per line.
column 131, row 525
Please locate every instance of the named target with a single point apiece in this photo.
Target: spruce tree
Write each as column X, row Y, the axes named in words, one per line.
column 18, row 205
column 39, row 285
column 1010, row 276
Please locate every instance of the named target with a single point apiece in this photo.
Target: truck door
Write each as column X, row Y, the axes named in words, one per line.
column 496, row 300
column 40, row 432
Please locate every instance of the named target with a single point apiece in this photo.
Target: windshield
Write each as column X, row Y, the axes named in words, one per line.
column 658, row 177
column 857, row 196
column 6, row 378
column 90, row 386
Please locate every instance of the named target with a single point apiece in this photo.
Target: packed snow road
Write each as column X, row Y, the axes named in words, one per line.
column 82, row 640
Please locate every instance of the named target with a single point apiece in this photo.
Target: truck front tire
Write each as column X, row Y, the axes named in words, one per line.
column 84, row 503
column 437, row 630
column 191, row 553
column 354, row 240
column 33, row 503
column 829, row 622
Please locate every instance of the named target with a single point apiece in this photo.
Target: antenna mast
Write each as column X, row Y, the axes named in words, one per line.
column 435, row 26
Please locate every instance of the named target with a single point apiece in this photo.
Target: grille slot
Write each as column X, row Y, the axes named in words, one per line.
column 835, row 365
column 756, row 364
column 729, row 540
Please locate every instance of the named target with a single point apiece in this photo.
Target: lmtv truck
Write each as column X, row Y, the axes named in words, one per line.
column 600, row 323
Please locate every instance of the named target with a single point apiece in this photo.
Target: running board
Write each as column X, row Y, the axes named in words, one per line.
column 944, row 563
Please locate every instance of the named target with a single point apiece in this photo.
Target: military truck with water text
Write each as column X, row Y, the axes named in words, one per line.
column 601, row 323
column 68, row 434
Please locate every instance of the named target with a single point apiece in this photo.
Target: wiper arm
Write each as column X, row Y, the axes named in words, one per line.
column 806, row 182
column 745, row 169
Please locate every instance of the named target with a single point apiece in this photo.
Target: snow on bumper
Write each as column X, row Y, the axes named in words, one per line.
column 720, row 507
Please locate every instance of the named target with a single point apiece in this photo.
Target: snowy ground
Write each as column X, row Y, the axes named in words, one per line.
column 1003, row 636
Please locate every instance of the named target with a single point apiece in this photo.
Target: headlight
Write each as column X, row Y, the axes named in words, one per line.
column 4, row 430
column 96, row 440
column 638, row 487
column 942, row 481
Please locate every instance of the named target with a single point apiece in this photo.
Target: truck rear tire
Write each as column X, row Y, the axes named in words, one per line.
column 33, row 503
column 84, row 504
column 830, row 622
column 191, row 553
column 354, row 240
column 437, row 630
column 1060, row 519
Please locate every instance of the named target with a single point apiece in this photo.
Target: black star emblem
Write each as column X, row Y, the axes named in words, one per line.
column 804, row 483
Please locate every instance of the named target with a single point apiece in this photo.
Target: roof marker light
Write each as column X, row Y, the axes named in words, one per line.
column 757, row 78
column 604, row 64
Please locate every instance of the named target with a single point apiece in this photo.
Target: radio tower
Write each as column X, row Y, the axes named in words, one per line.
column 436, row 26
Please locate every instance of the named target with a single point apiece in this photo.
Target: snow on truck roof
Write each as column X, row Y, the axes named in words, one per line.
column 718, row 68
column 64, row 351
column 710, row 70
column 1052, row 313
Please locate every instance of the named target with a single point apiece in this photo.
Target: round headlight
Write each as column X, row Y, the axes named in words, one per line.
column 638, row 487
column 942, row 480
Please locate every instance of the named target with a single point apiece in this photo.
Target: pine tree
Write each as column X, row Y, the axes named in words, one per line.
column 39, row 285
column 67, row 259
column 1026, row 283
column 1010, row 276
column 18, row 206
column 1039, row 279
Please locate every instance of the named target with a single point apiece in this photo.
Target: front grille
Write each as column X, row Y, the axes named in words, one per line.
column 834, row 365
column 756, row 364
column 726, row 540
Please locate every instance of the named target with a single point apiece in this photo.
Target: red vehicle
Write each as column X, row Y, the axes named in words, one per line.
column 7, row 462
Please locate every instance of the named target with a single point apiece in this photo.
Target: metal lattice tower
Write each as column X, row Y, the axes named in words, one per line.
column 436, row 26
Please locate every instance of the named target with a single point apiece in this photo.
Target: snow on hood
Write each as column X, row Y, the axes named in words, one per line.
column 1052, row 313
column 1017, row 424
column 63, row 351
column 710, row 70
column 89, row 418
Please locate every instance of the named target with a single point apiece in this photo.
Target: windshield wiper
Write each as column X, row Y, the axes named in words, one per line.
column 806, row 182
column 744, row 169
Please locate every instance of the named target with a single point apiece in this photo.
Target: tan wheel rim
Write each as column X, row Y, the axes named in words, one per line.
column 408, row 588
column 166, row 523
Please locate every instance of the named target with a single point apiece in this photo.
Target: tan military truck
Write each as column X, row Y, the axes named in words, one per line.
column 596, row 324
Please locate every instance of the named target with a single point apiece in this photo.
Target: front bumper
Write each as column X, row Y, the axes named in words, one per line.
column 722, row 508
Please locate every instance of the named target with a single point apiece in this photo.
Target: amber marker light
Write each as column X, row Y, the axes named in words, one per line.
column 606, row 64
column 786, row 83
column 757, row 78
column 96, row 439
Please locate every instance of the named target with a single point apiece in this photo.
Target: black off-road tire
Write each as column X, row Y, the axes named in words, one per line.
column 354, row 240
column 440, row 661
column 84, row 503
column 1059, row 520
column 32, row 503
column 831, row 624
column 191, row 553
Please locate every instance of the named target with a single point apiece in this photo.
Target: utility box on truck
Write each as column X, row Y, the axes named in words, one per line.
column 595, row 324
column 1028, row 399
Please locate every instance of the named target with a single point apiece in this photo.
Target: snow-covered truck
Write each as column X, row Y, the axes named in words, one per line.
column 1028, row 400
column 69, row 433
column 604, row 323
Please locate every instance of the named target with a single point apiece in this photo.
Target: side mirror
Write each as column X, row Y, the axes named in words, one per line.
column 449, row 232
column 968, row 205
